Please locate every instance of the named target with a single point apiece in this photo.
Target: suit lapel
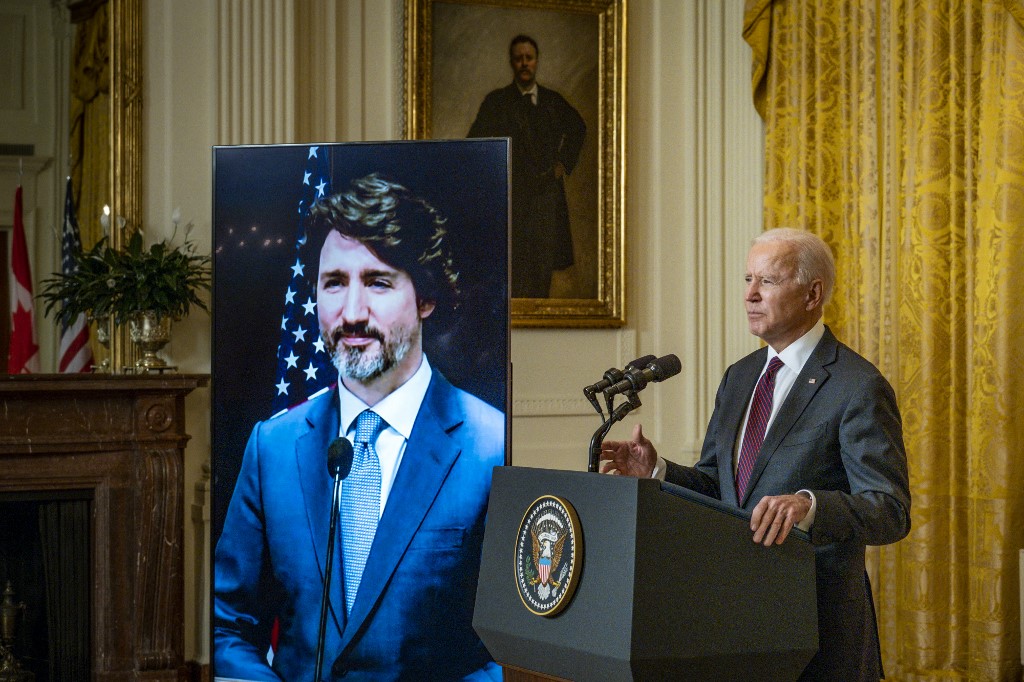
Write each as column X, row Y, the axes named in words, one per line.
column 810, row 380
column 317, row 488
column 428, row 458
column 747, row 373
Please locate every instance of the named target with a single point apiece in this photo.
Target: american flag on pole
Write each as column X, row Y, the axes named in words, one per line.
column 75, row 354
column 304, row 370
column 23, row 357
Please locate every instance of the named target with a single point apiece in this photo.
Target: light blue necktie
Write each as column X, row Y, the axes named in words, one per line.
column 360, row 502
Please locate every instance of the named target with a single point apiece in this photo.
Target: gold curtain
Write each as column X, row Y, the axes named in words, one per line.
column 895, row 130
column 90, row 122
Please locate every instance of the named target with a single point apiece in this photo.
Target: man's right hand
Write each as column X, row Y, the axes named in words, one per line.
column 636, row 457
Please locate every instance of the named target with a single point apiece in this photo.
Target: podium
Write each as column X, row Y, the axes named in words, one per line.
column 668, row 585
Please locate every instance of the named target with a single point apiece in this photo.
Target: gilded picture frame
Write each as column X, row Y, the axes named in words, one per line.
column 456, row 52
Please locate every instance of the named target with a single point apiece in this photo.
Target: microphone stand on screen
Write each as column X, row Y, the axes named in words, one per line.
column 339, row 464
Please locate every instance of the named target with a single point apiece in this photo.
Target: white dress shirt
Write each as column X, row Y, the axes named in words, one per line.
column 794, row 357
column 399, row 410
column 531, row 91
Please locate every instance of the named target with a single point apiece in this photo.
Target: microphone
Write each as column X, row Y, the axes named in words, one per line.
column 637, row 379
column 339, row 458
column 613, row 375
column 339, row 464
column 641, row 362
column 638, row 374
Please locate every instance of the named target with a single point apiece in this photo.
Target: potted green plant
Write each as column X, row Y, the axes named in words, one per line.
column 87, row 289
column 163, row 279
column 147, row 288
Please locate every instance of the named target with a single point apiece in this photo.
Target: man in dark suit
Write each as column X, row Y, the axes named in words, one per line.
column 547, row 135
column 404, row 586
column 804, row 433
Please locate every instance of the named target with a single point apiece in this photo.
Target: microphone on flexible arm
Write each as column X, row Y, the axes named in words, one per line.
column 634, row 379
column 611, row 377
column 637, row 379
column 339, row 464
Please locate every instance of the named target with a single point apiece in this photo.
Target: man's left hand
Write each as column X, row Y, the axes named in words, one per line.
column 774, row 516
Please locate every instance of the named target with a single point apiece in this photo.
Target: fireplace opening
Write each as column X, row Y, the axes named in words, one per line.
column 45, row 558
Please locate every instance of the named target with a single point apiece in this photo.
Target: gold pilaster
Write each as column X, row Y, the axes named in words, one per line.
column 125, row 142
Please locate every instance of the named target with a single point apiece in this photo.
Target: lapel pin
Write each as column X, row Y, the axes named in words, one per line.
column 811, row 381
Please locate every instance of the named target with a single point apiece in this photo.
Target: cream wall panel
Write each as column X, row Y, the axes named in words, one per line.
column 351, row 89
column 316, row 75
column 256, row 56
column 28, row 31
column 352, row 104
column 13, row 59
column 552, row 420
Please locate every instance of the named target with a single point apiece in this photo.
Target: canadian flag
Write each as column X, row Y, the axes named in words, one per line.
column 23, row 357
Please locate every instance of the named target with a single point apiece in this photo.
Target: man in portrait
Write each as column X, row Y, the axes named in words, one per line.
column 547, row 134
column 412, row 508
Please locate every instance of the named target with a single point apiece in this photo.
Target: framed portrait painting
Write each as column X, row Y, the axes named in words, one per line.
column 549, row 75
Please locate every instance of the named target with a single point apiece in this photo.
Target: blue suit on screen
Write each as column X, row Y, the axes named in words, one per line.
column 412, row 618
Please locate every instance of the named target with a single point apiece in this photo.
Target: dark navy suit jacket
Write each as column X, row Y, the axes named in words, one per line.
column 838, row 434
column 412, row 618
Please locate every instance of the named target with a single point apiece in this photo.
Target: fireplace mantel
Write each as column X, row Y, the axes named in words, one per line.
column 122, row 439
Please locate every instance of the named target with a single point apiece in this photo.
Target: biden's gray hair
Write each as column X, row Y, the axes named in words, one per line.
column 814, row 257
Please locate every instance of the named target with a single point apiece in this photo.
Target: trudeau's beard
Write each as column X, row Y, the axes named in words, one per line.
column 362, row 363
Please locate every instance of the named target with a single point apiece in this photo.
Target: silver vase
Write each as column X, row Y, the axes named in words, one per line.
column 150, row 333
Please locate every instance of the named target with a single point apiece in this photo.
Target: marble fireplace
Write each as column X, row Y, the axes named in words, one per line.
column 101, row 456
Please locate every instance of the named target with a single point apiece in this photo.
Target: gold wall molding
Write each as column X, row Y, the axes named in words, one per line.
column 126, row 142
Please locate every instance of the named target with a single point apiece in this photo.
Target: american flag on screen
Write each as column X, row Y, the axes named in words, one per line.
column 75, row 354
column 303, row 368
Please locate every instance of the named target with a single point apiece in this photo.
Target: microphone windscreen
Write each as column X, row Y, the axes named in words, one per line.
column 339, row 457
column 640, row 363
column 665, row 367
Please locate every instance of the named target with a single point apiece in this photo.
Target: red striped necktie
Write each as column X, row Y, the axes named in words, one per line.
column 753, row 437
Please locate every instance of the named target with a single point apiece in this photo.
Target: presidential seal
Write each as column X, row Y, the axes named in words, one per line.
column 548, row 556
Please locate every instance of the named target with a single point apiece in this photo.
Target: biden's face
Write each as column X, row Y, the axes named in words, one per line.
column 779, row 308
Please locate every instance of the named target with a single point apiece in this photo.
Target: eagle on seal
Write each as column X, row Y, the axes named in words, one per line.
column 547, row 554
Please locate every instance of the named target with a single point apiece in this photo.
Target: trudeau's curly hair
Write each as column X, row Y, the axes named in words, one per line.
column 402, row 229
